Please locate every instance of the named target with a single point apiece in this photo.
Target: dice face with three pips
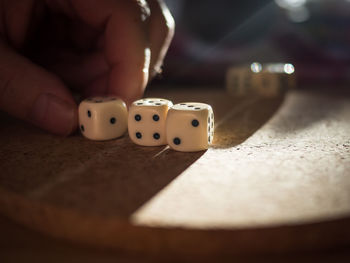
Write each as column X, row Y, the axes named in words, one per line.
column 103, row 118
column 190, row 126
column 146, row 122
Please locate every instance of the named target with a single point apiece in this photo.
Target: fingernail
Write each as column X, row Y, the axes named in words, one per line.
column 54, row 114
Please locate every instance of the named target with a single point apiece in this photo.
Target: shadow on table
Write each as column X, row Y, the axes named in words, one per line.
column 117, row 177
column 248, row 116
column 127, row 176
column 120, row 179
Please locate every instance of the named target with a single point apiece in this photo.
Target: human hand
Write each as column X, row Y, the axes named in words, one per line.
column 96, row 47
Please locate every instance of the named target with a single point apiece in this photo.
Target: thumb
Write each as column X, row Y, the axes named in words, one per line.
column 31, row 93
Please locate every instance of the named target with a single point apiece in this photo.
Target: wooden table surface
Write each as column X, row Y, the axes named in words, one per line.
column 275, row 184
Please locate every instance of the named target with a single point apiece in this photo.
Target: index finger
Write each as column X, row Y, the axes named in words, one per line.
column 127, row 50
column 125, row 41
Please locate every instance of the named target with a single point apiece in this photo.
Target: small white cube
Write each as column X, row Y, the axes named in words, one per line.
column 190, row 126
column 146, row 122
column 103, row 118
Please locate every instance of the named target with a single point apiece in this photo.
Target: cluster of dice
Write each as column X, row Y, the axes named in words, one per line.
column 186, row 127
column 267, row 80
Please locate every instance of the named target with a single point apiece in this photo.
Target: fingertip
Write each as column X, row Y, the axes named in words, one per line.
column 97, row 87
column 127, row 82
column 54, row 114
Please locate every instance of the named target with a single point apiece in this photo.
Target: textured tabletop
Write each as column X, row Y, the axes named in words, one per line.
column 279, row 167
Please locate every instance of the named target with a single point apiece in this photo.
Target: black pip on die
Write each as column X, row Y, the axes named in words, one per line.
column 190, row 127
column 103, row 118
column 146, row 123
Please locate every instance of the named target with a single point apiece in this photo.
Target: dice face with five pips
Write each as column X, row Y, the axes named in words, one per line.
column 103, row 118
column 190, row 126
column 146, row 122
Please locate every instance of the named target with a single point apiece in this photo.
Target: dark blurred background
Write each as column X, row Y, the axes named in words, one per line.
column 210, row 36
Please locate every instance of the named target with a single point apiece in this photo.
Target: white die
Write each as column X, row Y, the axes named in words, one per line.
column 146, row 122
column 190, row 126
column 103, row 118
